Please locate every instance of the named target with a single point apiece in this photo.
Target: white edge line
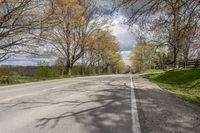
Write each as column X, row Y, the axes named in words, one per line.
column 135, row 119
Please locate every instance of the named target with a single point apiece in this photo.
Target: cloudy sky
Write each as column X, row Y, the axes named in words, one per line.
column 124, row 34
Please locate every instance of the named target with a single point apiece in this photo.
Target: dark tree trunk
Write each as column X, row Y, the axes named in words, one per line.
column 69, row 71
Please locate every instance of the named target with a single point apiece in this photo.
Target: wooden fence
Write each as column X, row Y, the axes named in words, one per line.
column 195, row 63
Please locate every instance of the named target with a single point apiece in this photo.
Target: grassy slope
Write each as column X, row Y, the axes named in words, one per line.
column 185, row 83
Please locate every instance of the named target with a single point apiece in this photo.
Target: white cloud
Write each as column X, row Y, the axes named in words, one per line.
column 124, row 34
column 27, row 60
column 125, row 55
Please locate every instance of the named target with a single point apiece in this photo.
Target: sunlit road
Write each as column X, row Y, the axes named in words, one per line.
column 79, row 105
column 101, row 104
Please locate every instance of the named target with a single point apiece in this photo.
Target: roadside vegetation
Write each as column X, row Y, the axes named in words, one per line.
column 69, row 31
column 167, row 42
column 185, row 83
column 25, row 74
column 40, row 73
column 168, row 35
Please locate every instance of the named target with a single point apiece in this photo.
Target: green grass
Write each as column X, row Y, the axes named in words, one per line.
column 27, row 79
column 151, row 71
column 185, row 83
column 17, row 79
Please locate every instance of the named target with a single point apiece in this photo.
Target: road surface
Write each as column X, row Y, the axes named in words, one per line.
column 98, row 104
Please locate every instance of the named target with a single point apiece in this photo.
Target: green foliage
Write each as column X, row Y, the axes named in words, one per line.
column 141, row 57
column 57, row 70
column 76, row 70
column 6, row 77
column 185, row 83
column 43, row 70
column 152, row 71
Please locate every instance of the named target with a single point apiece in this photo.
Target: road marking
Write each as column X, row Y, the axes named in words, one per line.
column 135, row 119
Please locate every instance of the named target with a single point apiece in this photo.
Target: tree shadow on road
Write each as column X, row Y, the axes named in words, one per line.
column 111, row 112
column 106, row 110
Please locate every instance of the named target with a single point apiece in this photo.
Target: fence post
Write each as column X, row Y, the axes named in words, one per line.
column 195, row 63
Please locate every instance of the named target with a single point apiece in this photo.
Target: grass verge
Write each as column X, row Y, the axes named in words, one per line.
column 185, row 83
column 17, row 79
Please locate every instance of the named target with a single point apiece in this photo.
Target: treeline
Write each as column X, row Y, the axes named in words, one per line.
column 56, row 70
column 10, row 74
column 169, row 32
column 71, row 30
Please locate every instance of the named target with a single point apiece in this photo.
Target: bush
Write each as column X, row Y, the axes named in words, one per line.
column 76, row 70
column 57, row 70
column 6, row 77
column 43, row 69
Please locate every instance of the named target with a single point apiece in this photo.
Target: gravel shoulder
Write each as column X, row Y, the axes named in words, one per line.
column 162, row 112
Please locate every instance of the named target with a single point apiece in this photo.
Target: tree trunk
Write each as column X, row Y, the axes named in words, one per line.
column 83, row 66
column 175, row 61
column 186, row 53
column 99, row 68
column 69, row 70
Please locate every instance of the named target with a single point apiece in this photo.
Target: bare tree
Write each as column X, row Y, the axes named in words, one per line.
column 18, row 21
column 171, row 18
column 68, row 29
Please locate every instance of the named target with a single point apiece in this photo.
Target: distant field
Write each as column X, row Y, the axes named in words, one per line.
column 185, row 83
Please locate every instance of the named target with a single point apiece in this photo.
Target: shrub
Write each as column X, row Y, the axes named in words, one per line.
column 43, row 69
column 57, row 70
column 6, row 77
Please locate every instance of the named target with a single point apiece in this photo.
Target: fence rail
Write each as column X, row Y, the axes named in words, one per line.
column 195, row 63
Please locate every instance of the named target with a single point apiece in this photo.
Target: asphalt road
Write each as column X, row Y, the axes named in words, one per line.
column 79, row 105
column 101, row 104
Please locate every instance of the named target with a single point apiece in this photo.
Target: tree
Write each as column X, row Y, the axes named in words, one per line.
column 171, row 19
column 68, row 30
column 141, row 57
column 103, row 52
column 18, row 21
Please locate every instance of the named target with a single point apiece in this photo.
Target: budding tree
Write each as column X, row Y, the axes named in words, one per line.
column 68, row 29
column 176, row 20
